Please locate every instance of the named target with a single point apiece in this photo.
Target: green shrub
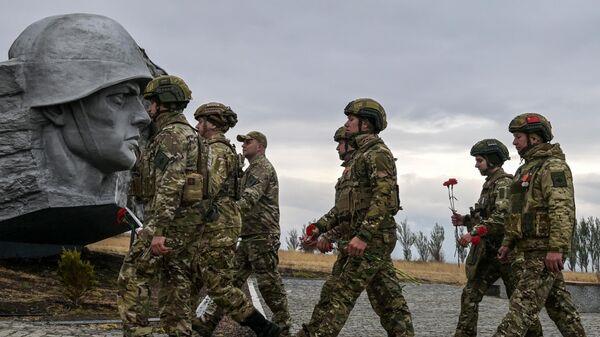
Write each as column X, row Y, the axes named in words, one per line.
column 77, row 276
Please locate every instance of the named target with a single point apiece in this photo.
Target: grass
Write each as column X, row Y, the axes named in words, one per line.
column 300, row 264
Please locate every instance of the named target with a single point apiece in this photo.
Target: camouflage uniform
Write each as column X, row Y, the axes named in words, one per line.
column 171, row 154
column 541, row 220
column 213, row 261
column 135, row 276
column 258, row 249
column 367, row 199
column 482, row 265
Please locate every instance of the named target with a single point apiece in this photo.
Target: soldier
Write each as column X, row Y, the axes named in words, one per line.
column 259, row 245
column 365, row 207
column 214, row 259
column 139, row 265
column 172, row 216
column 540, row 224
column 487, row 217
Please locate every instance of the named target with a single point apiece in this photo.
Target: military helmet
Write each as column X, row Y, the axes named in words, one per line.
column 217, row 113
column 532, row 123
column 68, row 57
column 168, row 89
column 340, row 134
column 368, row 108
column 492, row 150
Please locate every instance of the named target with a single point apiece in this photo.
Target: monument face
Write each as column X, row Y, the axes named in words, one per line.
column 70, row 121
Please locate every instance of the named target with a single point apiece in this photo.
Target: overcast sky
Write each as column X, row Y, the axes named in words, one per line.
column 448, row 74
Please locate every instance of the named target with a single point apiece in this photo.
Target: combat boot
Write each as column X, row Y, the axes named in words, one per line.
column 261, row 326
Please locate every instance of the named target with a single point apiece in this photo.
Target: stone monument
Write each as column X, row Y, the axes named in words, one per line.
column 70, row 121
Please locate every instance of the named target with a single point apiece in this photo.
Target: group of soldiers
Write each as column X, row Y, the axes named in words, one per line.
column 210, row 226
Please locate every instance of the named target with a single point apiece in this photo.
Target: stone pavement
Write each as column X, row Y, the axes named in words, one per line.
column 434, row 308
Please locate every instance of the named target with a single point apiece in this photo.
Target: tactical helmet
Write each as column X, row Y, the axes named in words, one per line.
column 340, row 134
column 69, row 57
column 492, row 150
column 371, row 110
column 217, row 113
column 168, row 89
column 532, row 123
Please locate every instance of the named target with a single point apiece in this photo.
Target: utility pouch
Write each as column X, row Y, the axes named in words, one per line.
column 193, row 190
column 536, row 225
column 135, row 187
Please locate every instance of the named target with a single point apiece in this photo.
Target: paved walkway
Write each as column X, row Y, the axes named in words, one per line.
column 434, row 308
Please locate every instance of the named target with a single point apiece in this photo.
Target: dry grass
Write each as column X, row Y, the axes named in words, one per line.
column 430, row 272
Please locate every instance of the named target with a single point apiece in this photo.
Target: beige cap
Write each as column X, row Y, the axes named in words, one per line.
column 259, row 137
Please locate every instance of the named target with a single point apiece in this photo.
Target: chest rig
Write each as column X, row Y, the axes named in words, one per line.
column 487, row 199
column 143, row 184
column 231, row 185
column 354, row 193
column 525, row 221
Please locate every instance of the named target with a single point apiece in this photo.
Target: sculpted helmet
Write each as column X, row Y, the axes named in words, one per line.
column 169, row 89
column 68, row 57
column 492, row 150
column 532, row 123
column 369, row 109
column 218, row 114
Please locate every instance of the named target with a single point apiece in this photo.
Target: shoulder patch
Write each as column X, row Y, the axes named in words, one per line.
column 558, row 179
column 161, row 160
column 502, row 193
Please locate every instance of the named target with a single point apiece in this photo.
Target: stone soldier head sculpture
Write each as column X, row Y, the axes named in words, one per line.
column 70, row 121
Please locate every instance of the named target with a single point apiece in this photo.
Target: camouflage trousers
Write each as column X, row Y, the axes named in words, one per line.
column 350, row 276
column 483, row 270
column 537, row 288
column 175, row 292
column 133, row 288
column 258, row 254
column 213, row 268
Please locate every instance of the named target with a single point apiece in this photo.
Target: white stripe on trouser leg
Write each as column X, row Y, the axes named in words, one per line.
column 207, row 301
column 254, row 296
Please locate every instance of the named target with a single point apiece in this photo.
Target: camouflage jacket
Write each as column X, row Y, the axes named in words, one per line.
column 542, row 205
column 222, row 173
column 259, row 200
column 492, row 207
column 171, row 152
column 367, row 192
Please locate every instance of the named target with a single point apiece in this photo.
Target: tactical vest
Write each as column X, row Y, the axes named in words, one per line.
column 532, row 223
column 487, row 200
column 355, row 194
column 196, row 180
column 231, row 185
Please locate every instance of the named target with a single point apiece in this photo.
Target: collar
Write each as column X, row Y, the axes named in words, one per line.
column 169, row 117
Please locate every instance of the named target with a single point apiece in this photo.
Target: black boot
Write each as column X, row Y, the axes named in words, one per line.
column 261, row 326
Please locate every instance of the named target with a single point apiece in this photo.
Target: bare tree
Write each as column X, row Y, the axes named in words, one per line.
column 406, row 238
column 572, row 257
column 461, row 251
column 422, row 244
column 594, row 243
column 292, row 240
column 435, row 243
column 583, row 257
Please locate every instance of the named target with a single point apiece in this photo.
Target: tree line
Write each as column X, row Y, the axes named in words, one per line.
column 584, row 255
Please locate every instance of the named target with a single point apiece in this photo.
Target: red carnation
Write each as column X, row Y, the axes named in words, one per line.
column 310, row 230
column 450, row 182
column 481, row 230
column 475, row 240
column 121, row 213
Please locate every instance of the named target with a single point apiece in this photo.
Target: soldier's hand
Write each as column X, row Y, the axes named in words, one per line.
column 503, row 254
column 457, row 219
column 554, row 262
column 356, row 247
column 158, row 246
column 324, row 245
column 465, row 239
